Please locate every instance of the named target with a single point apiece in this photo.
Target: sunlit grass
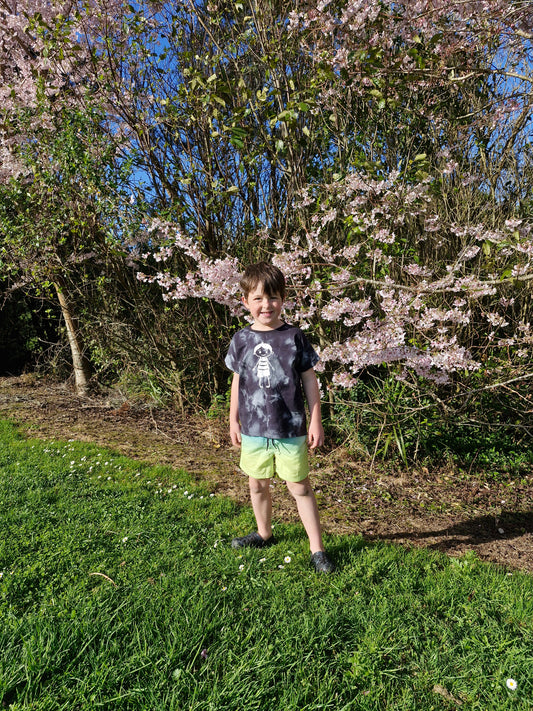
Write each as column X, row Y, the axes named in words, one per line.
column 119, row 590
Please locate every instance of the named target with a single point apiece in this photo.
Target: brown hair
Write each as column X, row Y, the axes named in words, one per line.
column 270, row 277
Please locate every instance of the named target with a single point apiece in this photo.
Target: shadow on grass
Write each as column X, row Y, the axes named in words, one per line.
column 473, row 531
column 454, row 539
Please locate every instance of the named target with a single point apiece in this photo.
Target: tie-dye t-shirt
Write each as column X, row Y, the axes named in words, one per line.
column 269, row 363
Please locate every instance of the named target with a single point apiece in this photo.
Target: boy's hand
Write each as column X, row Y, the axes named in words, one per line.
column 235, row 434
column 315, row 435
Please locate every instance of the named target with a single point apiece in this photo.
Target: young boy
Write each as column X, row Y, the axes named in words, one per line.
column 271, row 361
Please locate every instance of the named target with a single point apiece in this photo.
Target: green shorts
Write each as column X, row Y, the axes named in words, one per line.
column 262, row 456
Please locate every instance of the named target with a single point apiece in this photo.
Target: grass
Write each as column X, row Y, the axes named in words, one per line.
column 119, row 590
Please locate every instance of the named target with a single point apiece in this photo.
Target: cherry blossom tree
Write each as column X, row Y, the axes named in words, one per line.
column 409, row 245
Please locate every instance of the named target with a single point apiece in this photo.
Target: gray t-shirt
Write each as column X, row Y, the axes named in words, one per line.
column 269, row 363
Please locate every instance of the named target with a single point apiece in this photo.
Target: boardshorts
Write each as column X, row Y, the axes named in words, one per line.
column 261, row 457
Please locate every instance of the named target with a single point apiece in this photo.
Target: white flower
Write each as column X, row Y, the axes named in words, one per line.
column 511, row 684
column 287, row 559
column 262, row 560
column 124, row 539
column 241, row 567
column 281, row 567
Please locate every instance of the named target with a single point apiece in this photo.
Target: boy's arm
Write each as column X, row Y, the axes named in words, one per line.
column 315, row 434
column 234, row 423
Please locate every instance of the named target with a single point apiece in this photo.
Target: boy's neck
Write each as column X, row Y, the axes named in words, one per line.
column 256, row 326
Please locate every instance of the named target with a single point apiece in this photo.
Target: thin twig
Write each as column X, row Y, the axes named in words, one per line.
column 103, row 575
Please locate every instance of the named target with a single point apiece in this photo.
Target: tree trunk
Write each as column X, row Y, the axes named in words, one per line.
column 82, row 371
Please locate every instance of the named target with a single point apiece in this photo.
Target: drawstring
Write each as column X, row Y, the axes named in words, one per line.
column 272, row 443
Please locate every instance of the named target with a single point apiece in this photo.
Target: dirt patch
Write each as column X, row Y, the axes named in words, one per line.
column 442, row 509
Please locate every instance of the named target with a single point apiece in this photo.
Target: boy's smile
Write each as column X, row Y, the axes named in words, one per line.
column 264, row 308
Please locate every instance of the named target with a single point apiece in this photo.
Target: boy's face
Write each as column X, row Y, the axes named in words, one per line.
column 265, row 310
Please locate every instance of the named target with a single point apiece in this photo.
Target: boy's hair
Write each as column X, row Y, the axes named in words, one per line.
column 270, row 277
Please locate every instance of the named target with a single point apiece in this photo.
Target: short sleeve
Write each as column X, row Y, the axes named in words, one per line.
column 308, row 357
column 231, row 360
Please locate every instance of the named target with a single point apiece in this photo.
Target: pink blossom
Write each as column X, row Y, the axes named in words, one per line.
column 417, row 270
column 496, row 320
column 512, row 224
column 470, row 253
column 519, row 270
column 356, row 311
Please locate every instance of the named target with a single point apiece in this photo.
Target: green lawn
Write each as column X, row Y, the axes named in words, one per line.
column 119, row 590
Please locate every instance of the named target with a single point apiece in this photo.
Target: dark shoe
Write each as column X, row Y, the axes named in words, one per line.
column 252, row 540
column 321, row 563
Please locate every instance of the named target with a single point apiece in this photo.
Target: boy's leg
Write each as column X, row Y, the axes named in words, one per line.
column 261, row 505
column 304, row 496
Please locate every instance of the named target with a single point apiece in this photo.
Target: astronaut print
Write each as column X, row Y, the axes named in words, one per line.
column 263, row 351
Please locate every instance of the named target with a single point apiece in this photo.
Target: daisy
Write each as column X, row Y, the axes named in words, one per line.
column 511, row 684
column 287, row 559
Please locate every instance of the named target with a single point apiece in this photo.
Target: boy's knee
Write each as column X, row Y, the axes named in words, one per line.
column 259, row 486
column 300, row 488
